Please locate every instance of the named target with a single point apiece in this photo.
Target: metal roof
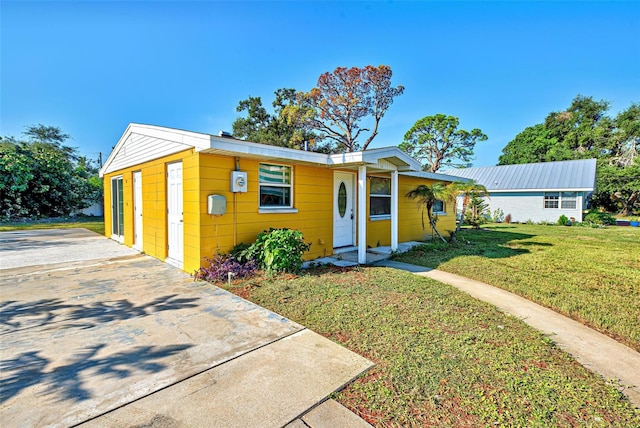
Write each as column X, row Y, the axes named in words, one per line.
column 564, row 175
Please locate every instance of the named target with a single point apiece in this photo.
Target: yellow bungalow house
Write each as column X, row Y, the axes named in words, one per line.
column 180, row 196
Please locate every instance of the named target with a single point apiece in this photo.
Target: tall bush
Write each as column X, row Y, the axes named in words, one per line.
column 42, row 177
column 278, row 250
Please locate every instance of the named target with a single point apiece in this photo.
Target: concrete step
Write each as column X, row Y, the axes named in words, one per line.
column 268, row 387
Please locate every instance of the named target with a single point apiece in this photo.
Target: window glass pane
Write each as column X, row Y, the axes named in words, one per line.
column 275, row 196
column 380, row 205
column 380, row 186
column 438, row 206
column 342, row 200
column 117, row 207
column 568, row 200
column 120, row 208
column 551, row 199
column 114, row 207
column 276, row 174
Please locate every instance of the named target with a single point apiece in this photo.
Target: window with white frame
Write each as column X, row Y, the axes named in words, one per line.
column 438, row 207
column 275, row 182
column 568, row 200
column 551, row 199
column 564, row 200
column 379, row 196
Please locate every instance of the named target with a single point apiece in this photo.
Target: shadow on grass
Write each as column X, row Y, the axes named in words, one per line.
column 493, row 244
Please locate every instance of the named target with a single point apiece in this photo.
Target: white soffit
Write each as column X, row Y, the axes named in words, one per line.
column 246, row 149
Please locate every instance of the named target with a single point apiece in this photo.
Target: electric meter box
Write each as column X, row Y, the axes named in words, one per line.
column 216, row 204
column 238, row 181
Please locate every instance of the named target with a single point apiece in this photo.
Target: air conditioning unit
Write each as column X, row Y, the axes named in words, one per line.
column 216, row 205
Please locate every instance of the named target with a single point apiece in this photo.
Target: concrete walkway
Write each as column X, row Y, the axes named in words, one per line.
column 596, row 351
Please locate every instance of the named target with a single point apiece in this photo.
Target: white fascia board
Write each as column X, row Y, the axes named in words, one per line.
column 186, row 138
column 340, row 159
column 435, row 176
column 239, row 147
column 115, row 150
column 392, row 155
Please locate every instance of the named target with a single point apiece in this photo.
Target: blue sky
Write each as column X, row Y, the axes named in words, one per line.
column 92, row 67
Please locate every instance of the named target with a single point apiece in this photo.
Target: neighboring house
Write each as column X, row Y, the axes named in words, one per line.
column 536, row 191
column 93, row 210
column 160, row 185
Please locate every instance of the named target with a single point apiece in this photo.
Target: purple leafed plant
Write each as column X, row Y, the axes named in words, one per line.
column 220, row 265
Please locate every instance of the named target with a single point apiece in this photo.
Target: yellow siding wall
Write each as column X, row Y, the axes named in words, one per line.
column 409, row 217
column 205, row 235
column 312, row 197
column 154, row 204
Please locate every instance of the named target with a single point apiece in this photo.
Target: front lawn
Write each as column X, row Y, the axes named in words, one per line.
column 95, row 224
column 442, row 358
column 590, row 275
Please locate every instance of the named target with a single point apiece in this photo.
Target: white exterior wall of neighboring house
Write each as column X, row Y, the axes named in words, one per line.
column 540, row 192
column 93, row 210
column 524, row 206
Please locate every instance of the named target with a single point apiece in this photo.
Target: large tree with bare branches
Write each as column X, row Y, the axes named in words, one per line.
column 343, row 102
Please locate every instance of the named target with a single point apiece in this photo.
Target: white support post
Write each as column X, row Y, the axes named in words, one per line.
column 394, row 210
column 362, row 214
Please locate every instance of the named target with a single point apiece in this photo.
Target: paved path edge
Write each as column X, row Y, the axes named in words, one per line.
column 594, row 350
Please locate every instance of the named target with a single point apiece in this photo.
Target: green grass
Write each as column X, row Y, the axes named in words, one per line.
column 590, row 275
column 95, row 224
column 442, row 358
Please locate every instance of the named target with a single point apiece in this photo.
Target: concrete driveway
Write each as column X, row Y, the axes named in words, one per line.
column 93, row 332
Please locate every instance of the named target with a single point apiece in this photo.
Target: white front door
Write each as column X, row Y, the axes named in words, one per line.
column 344, row 232
column 137, row 210
column 174, row 214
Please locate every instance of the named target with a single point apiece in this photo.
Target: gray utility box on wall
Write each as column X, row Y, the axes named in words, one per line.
column 238, row 181
column 216, row 204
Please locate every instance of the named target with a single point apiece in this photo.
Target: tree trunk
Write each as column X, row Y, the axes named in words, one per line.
column 433, row 227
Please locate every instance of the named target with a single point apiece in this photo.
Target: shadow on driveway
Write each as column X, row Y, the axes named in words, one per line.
column 92, row 333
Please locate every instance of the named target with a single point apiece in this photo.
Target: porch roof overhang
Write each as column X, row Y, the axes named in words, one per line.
column 380, row 159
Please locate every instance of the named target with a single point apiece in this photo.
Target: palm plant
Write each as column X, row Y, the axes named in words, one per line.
column 468, row 190
column 426, row 196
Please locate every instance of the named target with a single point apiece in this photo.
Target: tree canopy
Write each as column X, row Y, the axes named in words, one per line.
column 584, row 130
column 342, row 100
column 262, row 127
column 42, row 177
column 436, row 141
